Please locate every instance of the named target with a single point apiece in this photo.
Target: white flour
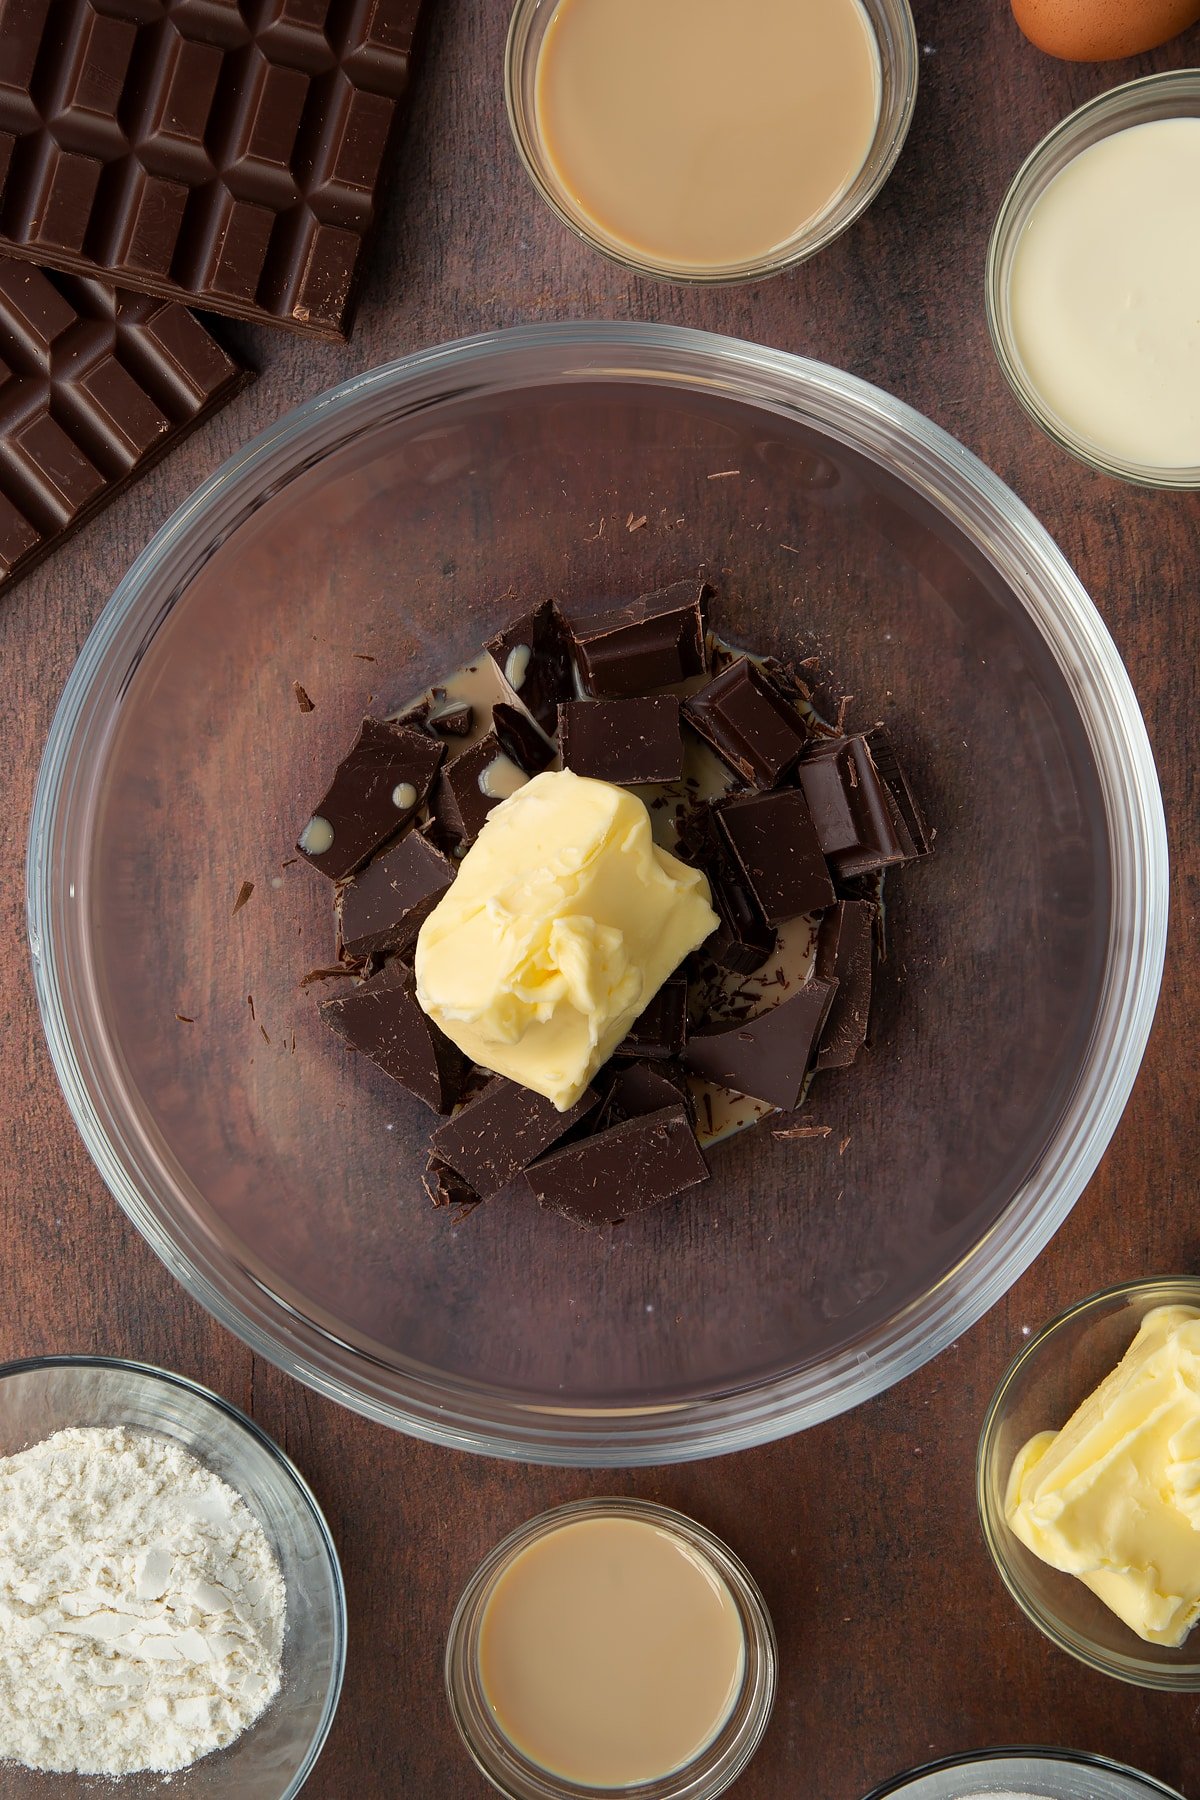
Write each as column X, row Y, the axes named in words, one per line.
column 141, row 1607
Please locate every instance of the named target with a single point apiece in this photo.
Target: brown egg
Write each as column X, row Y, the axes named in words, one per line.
column 1100, row 30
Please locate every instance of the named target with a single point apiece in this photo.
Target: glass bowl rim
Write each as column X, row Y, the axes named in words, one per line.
column 123, row 1365
column 720, row 1764
column 972, row 1759
column 1163, row 1678
column 1029, row 182
column 905, row 70
column 929, row 461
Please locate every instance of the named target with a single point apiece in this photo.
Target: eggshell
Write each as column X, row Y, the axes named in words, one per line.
column 1101, row 30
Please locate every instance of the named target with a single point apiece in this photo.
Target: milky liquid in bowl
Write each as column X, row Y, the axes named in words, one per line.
column 367, row 556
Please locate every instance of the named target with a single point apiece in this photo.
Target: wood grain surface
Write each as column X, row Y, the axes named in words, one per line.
column 897, row 1641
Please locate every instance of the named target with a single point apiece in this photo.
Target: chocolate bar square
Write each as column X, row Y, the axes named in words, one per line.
column 651, row 642
column 773, row 842
column 748, row 723
column 376, row 791
column 629, row 742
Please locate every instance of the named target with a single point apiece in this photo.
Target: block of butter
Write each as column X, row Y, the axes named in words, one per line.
column 565, row 920
column 1114, row 1497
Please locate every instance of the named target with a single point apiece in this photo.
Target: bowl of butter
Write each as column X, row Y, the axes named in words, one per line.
column 1088, row 1481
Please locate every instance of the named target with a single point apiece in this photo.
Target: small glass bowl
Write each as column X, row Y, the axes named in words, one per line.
column 1033, row 1773
column 274, row 1758
column 1056, row 1370
column 714, row 1770
column 1173, row 95
column 895, row 34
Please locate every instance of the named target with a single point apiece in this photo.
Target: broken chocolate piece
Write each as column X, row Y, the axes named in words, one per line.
column 384, row 907
column 375, row 792
column 626, row 1169
column 744, row 940
column 766, row 1057
column 520, row 739
column 879, row 742
column 383, row 1021
column 628, row 742
column 858, row 822
column 660, row 1031
column 446, row 1188
column 844, row 957
column 639, row 1088
column 533, row 659
column 773, row 842
column 494, row 1136
column 471, row 785
column 436, row 712
column 651, row 642
column 749, row 724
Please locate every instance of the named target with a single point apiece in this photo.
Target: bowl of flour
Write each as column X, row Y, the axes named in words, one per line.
column 171, row 1604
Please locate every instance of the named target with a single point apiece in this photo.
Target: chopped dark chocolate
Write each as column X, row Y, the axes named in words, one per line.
column 383, row 1021
column 446, row 1188
column 436, row 712
column 629, row 742
column 630, row 1167
column 773, row 843
column 748, row 723
column 879, row 742
column 638, row 1088
column 844, row 944
column 520, row 739
column 651, row 642
column 744, row 940
column 858, row 821
column 766, row 1057
column 471, row 785
column 376, row 791
column 533, row 659
column 384, row 907
column 498, row 1133
column 660, row 1031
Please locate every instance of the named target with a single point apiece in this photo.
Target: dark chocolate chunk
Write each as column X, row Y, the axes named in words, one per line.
column 471, row 785
column 635, row 1089
column 766, row 1057
column 844, row 946
column 651, row 642
column 533, row 659
column 226, row 154
column 446, row 1188
column 624, row 1170
column 520, row 739
column 95, row 386
column 496, row 1135
column 661, row 1029
column 879, row 742
column 624, row 741
column 438, row 713
column 744, row 940
column 386, row 904
column 773, row 842
column 858, row 821
column 383, row 1021
column 749, row 724
column 375, row 792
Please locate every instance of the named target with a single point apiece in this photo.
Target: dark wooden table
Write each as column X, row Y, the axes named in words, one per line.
column 897, row 1641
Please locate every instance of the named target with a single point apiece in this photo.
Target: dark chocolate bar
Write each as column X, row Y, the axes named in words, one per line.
column 766, row 1057
column 497, row 1134
column 227, row 155
column 523, row 742
column 651, row 642
column 773, row 842
column 858, row 821
column 94, row 387
column 471, row 785
column 749, row 724
column 844, row 947
column 660, row 1030
column 376, row 791
column 386, row 904
column 533, row 660
column 383, row 1021
column 630, row 1167
column 629, row 742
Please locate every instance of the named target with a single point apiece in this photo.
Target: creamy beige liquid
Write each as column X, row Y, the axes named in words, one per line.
column 706, row 133
column 1105, row 294
column 611, row 1652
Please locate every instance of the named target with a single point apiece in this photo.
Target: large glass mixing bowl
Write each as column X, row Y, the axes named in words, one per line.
column 368, row 544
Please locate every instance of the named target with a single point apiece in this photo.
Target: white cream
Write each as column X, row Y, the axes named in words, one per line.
column 1105, row 294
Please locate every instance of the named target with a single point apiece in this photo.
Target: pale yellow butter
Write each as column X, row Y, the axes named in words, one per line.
column 1114, row 1497
column 565, row 920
